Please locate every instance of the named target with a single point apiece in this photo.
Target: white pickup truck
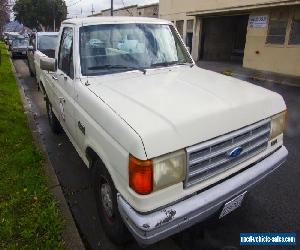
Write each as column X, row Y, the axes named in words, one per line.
column 41, row 44
column 168, row 143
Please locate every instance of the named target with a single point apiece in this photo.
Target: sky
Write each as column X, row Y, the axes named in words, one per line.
column 75, row 6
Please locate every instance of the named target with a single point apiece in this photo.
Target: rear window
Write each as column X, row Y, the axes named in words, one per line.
column 47, row 42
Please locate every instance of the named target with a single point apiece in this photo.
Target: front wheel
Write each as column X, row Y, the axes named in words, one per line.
column 106, row 201
column 53, row 121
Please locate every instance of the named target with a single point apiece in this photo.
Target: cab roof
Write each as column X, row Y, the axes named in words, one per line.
column 47, row 33
column 113, row 19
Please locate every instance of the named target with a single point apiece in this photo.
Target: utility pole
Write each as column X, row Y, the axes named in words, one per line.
column 93, row 9
column 54, row 24
column 111, row 7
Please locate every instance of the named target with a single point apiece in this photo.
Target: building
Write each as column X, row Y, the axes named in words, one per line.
column 150, row 10
column 260, row 34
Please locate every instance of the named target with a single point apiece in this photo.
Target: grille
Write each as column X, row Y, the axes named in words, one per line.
column 210, row 158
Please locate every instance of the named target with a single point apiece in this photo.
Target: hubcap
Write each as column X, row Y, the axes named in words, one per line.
column 106, row 197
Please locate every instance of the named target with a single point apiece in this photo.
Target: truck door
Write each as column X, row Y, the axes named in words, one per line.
column 66, row 87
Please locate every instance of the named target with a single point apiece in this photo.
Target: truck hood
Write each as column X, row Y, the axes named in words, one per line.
column 173, row 108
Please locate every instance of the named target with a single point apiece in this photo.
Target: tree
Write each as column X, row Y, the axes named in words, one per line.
column 4, row 14
column 39, row 14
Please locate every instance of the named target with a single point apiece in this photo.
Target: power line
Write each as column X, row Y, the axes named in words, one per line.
column 112, row 7
column 93, row 9
column 126, row 8
column 74, row 3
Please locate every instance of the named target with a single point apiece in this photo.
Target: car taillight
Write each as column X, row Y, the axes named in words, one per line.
column 140, row 175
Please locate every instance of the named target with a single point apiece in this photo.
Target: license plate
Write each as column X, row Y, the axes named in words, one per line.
column 232, row 205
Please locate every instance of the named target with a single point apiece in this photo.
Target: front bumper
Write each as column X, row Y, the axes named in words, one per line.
column 19, row 52
column 150, row 228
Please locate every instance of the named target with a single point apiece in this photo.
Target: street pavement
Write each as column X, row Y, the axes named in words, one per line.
column 272, row 206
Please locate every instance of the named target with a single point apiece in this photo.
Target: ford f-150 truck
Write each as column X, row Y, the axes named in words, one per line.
column 168, row 144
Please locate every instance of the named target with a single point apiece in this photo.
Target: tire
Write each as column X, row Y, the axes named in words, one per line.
column 53, row 121
column 107, row 206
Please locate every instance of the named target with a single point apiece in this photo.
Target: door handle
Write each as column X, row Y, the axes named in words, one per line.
column 61, row 99
column 54, row 77
column 65, row 77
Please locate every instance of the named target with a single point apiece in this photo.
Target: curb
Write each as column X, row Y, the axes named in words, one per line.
column 257, row 78
column 71, row 236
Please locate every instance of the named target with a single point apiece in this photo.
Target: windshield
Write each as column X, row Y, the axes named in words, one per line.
column 20, row 42
column 116, row 47
column 47, row 42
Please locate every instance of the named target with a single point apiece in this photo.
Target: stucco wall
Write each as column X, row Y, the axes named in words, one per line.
column 283, row 59
column 168, row 7
column 148, row 11
column 196, row 29
column 131, row 11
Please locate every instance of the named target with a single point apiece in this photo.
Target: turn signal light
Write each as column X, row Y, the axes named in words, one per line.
column 140, row 175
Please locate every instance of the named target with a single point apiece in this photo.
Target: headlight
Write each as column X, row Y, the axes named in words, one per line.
column 146, row 176
column 169, row 169
column 278, row 124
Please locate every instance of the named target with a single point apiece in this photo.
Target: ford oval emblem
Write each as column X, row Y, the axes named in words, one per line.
column 235, row 152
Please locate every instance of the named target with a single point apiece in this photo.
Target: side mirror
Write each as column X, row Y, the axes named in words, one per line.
column 48, row 64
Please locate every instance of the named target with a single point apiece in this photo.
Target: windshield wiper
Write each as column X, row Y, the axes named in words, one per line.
column 109, row 66
column 166, row 64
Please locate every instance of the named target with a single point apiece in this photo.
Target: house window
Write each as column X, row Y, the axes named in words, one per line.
column 295, row 30
column 189, row 34
column 277, row 27
column 179, row 26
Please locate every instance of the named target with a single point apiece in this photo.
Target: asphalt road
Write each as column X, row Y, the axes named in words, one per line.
column 273, row 206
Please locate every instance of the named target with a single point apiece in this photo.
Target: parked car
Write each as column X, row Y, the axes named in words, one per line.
column 44, row 44
column 10, row 37
column 168, row 144
column 19, row 47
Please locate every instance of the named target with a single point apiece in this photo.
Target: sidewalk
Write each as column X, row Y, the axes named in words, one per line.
column 237, row 70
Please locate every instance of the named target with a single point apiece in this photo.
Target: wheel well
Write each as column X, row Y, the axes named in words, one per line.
column 91, row 155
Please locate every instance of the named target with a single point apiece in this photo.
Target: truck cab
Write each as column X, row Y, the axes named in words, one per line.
column 43, row 44
column 168, row 144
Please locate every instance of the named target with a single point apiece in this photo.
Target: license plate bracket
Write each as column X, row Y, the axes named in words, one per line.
column 232, row 205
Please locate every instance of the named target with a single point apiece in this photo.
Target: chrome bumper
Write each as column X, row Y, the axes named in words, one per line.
column 150, row 228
